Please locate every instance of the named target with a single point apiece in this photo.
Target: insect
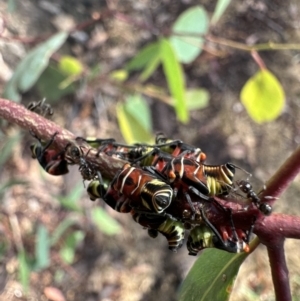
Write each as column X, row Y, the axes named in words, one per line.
column 206, row 235
column 52, row 161
column 74, row 155
column 173, row 230
column 139, row 187
column 202, row 236
column 204, row 181
column 137, row 191
column 111, row 148
column 143, row 152
column 40, row 107
column 98, row 188
column 246, row 187
column 179, row 148
column 126, row 194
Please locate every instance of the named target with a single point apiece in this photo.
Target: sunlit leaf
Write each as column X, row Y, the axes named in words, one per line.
column 219, row 10
column 119, row 75
column 135, row 120
column 212, row 276
column 42, row 246
column 175, row 78
column 69, row 65
column 197, row 98
column 31, row 67
column 263, row 97
column 188, row 31
column 104, row 222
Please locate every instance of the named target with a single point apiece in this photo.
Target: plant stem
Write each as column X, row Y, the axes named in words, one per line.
column 280, row 273
column 44, row 129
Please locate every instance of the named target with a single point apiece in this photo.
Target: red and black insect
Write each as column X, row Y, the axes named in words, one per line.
column 179, row 148
column 144, row 152
column 202, row 236
column 139, row 187
column 138, row 191
column 227, row 238
column 172, row 229
column 52, row 161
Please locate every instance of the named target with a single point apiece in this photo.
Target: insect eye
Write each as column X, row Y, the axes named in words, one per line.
column 75, row 151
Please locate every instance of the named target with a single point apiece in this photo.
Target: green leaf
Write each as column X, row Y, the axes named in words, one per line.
column 212, row 276
column 67, row 252
column 11, row 6
column 219, row 10
column 24, row 269
column 144, row 57
column 60, row 230
column 70, row 200
column 31, row 67
column 69, row 65
column 135, row 120
column 49, row 84
column 263, row 97
column 150, row 68
column 42, row 248
column 174, row 74
column 197, row 98
column 104, row 222
column 119, row 75
column 188, row 31
column 148, row 59
column 137, row 106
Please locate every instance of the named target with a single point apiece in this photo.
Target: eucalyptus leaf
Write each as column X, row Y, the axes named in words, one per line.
column 212, row 276
column 188, row 31
column 175, row 78
column 197, row 98
column 104, row 222
column 135, row 120
column 31, row 67
column 263, row 97
column 219, row 10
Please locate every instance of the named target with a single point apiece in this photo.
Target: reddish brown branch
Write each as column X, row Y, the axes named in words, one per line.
column 283, row 176
column 280, row 274
column 44, row 129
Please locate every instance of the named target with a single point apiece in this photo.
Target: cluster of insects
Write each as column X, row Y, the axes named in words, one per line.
column 166, row 187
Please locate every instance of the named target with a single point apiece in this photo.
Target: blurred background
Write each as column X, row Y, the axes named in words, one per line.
column 52, row 235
